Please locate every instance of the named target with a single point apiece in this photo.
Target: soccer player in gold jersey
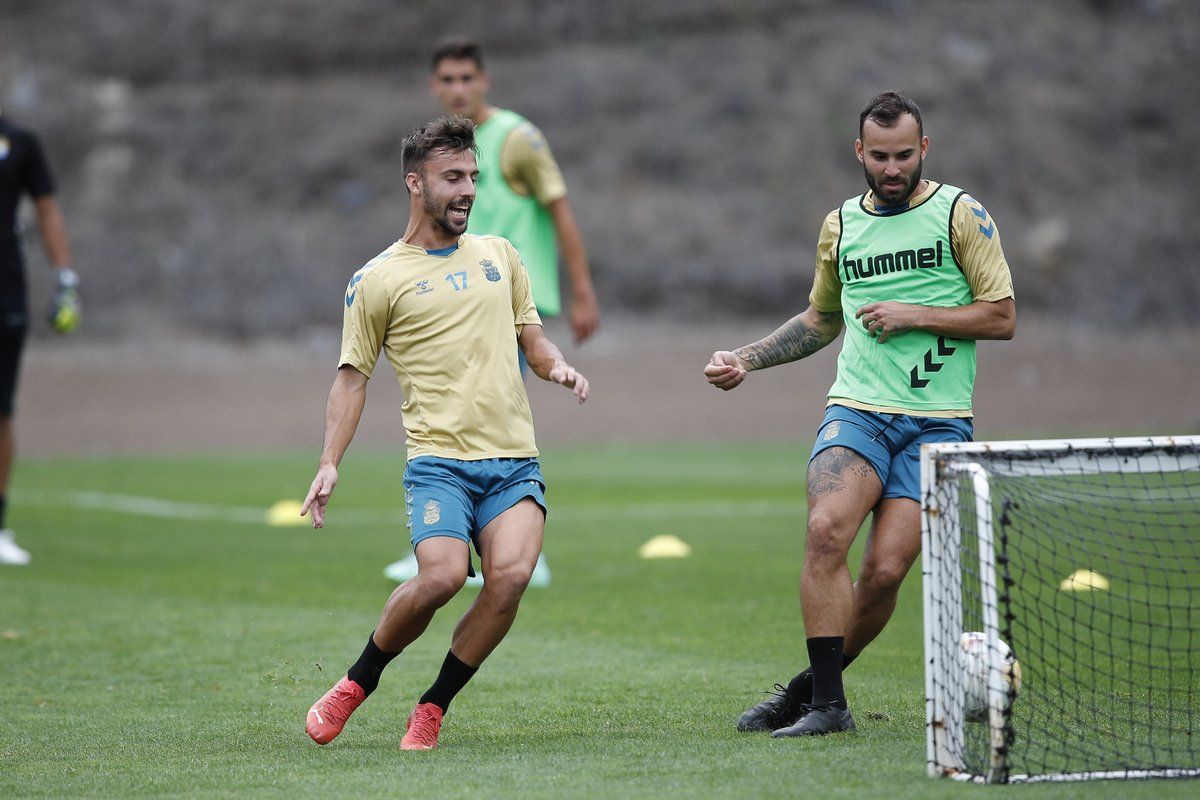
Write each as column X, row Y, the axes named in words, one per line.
column 521, row 196
column 450, row 310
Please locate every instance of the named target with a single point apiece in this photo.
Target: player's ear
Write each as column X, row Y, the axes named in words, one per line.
column 413, row 181
column 858, row 150
column 924, row 145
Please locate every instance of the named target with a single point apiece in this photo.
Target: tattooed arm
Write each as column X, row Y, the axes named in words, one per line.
column 798, row 338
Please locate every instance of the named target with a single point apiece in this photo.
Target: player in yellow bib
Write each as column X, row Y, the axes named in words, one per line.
column 913, row 271
column 449, row 310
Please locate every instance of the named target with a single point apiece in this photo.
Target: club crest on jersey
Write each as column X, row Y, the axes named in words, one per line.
column 433, row 513
column 832, row 431
column 423, row 287
column 489, row 270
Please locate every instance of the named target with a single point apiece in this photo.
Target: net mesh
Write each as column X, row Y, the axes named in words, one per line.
column 1093, row 581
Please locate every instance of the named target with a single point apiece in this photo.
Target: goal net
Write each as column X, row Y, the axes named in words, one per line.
column 1062, row 609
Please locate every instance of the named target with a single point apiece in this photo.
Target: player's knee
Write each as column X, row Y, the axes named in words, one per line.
column 825, row 542
column 438, row 586
column 506, row 584
column 882, row 579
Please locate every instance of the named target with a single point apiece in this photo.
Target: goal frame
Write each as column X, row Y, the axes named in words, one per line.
column 941, row 539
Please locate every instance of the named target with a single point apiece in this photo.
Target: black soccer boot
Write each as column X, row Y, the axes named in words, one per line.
column 782, row 708
column 818, row 721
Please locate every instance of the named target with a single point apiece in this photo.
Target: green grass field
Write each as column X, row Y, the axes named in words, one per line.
column 148, row 656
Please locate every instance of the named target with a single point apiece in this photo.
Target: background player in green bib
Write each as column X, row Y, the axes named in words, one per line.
column 914, row 272
column 449, row 310
column 521, row 196
column 521, row 192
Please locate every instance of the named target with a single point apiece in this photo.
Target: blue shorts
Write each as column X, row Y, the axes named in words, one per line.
column 891, row 443
column 449, row 497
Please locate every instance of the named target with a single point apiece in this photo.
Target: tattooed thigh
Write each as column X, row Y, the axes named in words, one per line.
column 835, row 470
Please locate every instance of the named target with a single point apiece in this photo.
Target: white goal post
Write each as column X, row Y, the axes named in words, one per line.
column 1003, row 526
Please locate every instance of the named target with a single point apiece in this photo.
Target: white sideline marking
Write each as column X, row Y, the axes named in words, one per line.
column 142, row 506
column 212, row 512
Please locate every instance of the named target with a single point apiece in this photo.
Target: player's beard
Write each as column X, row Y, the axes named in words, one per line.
column 441, row 216
column 891, row 197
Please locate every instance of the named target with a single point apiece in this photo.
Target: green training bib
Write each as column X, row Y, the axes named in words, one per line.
column 905, row 257
column 499, row 211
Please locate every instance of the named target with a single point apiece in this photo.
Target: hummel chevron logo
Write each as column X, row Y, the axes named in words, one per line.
column 991, row 226
column 352, row 289
column 943, row 350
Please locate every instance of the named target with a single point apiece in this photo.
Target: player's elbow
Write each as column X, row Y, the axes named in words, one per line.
column 1010, row 327
column 1005, row 324
column 350, row 379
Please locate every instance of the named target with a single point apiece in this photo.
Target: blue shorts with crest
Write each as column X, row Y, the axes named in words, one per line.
column 450, row 497
column 891, row 443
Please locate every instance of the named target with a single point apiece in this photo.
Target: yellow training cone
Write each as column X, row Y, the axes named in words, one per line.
column 665, row 547
column 1084, row 580
column 285, row 513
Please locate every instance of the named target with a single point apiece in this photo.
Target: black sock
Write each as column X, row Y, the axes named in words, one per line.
column 369, row 667
column 804, row 681
column 450, row 681
column 825, row 653
column 3, row 509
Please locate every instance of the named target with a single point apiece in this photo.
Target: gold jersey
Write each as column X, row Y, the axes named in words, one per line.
column 448, row 321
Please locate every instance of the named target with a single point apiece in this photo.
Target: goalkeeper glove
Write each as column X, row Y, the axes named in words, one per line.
column 65, row 310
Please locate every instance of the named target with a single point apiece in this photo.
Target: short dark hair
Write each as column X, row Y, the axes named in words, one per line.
column 445, row 134
column 457, row 47
column 884, row 109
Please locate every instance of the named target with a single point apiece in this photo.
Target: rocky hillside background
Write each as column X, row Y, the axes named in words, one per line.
column 226, row 165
